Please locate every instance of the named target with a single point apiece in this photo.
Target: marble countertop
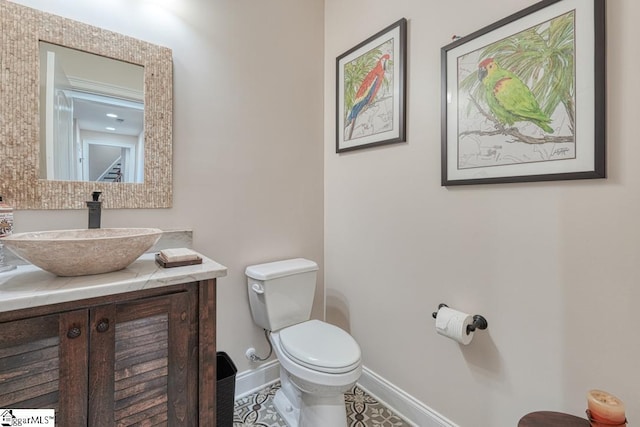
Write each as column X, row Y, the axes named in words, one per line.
column 28, row 286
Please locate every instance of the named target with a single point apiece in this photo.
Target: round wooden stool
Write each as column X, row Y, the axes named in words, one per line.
column 552, row 419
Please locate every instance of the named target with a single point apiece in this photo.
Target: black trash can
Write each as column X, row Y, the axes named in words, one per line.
column 225, row 389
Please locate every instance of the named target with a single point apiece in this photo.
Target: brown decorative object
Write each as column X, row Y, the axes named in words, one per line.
column 21, row 30
column 552, row 419
column 166, row 264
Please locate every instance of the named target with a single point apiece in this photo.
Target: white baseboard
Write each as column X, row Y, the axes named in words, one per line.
column 402, row 403
column 250, row 381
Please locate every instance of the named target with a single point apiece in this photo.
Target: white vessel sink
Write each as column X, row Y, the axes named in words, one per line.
column 82, row 252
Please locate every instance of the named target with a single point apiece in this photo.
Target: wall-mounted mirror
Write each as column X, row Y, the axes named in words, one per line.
column 91, row 117
column 86, row 109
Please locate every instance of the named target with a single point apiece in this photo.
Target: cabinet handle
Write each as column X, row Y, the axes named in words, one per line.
column 103, row 325
column 74, row 332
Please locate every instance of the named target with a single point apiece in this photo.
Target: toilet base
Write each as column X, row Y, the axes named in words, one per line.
column 314, row 411
column 322, row 411
column 300, row 408
column 286, row 409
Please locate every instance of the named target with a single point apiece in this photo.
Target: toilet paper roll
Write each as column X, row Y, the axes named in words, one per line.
column 453, row 324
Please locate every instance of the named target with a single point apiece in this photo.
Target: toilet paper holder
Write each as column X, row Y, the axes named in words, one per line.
column 479, row 322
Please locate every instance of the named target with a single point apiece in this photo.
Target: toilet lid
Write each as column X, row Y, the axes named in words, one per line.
column 320, row 346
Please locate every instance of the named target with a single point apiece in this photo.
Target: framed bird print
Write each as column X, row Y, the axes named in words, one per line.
column 523, row 99
column 371, row 91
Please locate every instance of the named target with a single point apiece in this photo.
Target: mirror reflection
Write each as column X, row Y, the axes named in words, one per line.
column 91, row 117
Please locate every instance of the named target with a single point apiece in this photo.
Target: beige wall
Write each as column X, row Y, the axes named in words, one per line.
column 554, row 266
column 247, row 141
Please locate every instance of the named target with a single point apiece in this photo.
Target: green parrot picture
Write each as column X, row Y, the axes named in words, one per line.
column 508, row 98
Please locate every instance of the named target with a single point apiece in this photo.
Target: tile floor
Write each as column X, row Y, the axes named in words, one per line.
column 362, row 410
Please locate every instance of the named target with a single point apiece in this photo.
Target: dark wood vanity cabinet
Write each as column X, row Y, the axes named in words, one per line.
column 142, row 357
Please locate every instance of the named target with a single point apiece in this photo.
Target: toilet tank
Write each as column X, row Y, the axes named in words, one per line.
column 281, row 293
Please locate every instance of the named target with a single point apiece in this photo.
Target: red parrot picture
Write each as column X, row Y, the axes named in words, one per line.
column 371, row 91
column 367, row 92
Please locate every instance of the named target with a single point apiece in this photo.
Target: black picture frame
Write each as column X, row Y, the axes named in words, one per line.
column 492, row 131
column 371, row 91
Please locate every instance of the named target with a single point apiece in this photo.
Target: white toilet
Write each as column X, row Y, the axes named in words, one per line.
column 318, row 361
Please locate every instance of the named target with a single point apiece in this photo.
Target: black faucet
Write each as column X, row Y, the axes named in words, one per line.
column 95, row 208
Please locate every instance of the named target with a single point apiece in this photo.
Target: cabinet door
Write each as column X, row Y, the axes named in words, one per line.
column 143, row 362
column 43, row 364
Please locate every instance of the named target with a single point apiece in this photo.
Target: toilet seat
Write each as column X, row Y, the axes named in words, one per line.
column 320, row 346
